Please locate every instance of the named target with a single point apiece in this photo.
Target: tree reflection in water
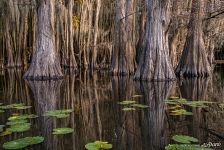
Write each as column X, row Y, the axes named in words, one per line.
column 97, row 115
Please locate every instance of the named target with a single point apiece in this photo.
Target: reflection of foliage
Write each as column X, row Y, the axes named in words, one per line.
column 98, row 145
column 185, row 143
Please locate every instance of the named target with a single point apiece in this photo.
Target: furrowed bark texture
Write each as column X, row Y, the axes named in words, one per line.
column 45, row 64
column 123, row 62
column 194, row 62
column 154, row 60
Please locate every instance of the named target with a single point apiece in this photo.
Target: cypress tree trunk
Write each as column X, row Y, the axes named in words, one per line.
column 123, row 60
column 45, row 64
column 154, row 60
column 194, row 61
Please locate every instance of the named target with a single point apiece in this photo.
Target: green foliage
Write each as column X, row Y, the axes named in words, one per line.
column 59, row 113
column 75, row 22
column 184, row 139
column 22, row 127
column 58, row 131
column 185, row 143
column 23, row 142
column 19, row 106
column 176, row 104
column 130, row 105
column 98, row 145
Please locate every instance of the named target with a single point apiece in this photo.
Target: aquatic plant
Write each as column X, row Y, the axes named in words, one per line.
column 131, row 105
column 23, row 142
column 98, row 145
column 185, row 143
column 58, row 131
column 64, row 113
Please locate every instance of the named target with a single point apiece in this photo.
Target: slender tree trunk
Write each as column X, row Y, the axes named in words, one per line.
column 194, row 61
column 45, row 64
column 154, row 60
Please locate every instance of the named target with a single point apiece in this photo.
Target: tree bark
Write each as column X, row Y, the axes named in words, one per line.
column 45, row 64
column 123, row 60
column 154, row 60
column 194, row 61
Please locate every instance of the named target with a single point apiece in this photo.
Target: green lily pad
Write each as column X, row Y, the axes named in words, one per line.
column 22, row 117
column 140, row 106
column 128, row 109
column 1, row 103
column 184, row 139
column 23, row 142
column 98, row 145
column 59, row 113
column 185, row 147
column 135, row 96
column 17, row 122
column 19, row 127
column 178, row 112
column 1, row 111
column 63, row 131
column 22, row 107
column 126, row 102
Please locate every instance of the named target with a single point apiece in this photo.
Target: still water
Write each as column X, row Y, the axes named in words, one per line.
column 97, row 115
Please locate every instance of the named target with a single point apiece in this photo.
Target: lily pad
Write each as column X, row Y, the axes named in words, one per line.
column 98, row 145
column 180, row 112
column 22, row 117
column 1, row 111
column 59, row 113
column 135, row 96
column 185, row 147
column 23, row 142
column 184, row 139
column 63, row 131
column 128, row 109
column 127, row 102
column 19, row 127
column 17, row 122
column 22, row 107
column 5, row 133
column 140, row 106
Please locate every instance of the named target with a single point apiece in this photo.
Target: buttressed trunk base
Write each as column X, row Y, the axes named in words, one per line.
column 45, row 64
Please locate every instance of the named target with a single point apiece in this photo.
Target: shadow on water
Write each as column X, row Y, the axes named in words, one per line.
column 97, row 115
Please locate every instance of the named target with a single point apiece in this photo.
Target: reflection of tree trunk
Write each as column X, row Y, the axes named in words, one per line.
column 46, row 95
column 196, row 89
column 153, row 123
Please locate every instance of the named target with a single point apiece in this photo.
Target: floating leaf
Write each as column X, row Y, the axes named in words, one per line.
column 23, row 142
column 19, row 127
column 180, row 112
column 98, row 145
column 135, row 96
column 1, row 103
column 1, row 111
column 185, row 147
column 5, row 133
column 174, row 97
column 1, row 127
column 22, row 107
column 128, row 109
column 17, row 122
column 59, row 113
column 127, row 102
column 22, row 117
column 140, row 106
column 63, row 130
column 184, row 139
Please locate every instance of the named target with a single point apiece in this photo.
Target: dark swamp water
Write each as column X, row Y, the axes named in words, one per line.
column 97, row 115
